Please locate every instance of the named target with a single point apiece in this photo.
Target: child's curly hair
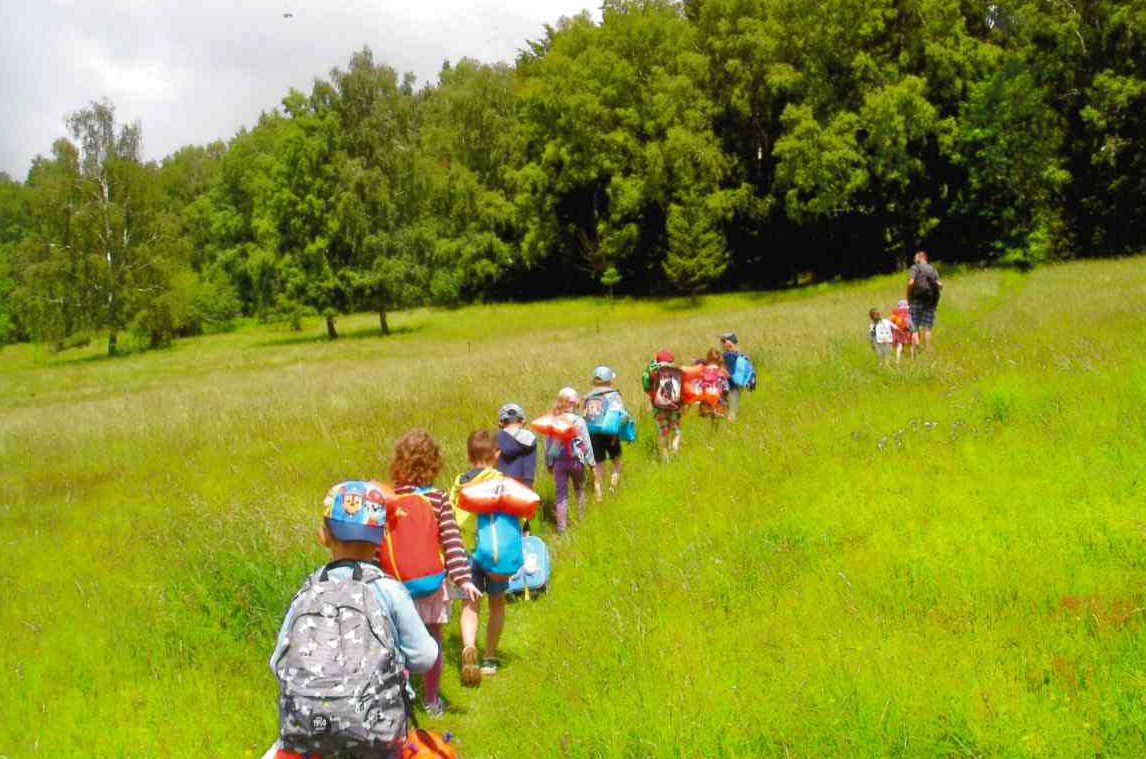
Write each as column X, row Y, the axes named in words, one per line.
column 417, row 460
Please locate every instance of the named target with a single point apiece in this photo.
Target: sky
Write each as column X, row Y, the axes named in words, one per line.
column 194, row 71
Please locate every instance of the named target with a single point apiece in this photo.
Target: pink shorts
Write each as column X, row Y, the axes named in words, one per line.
column 434, row 609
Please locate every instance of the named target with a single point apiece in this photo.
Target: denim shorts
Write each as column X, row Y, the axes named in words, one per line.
column 482, row 581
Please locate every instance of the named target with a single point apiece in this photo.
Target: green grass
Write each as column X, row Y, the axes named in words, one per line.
column 943, row 560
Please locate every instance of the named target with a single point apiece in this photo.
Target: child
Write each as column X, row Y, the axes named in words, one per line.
column 517, row 448
column 598, row 402
column 881, row 335
column 568, row 460
column 482, row 454
column 730, row 345
column 352, row 529
column 715, row 375
column 901, row 318
column 658, row 381
column 417, row 461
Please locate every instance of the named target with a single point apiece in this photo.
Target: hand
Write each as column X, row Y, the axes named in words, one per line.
column 471, row 592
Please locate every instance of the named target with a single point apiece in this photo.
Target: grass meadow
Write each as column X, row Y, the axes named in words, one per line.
column 947, row 559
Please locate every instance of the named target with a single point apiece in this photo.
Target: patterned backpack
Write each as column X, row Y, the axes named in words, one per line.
column 667, row 386
column 341, row 686
column 604, row 412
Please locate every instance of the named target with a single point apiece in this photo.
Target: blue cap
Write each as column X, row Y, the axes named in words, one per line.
column 603, row 374
column 355, row 511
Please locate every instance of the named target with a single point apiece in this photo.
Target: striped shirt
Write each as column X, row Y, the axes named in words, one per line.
column 449, row 535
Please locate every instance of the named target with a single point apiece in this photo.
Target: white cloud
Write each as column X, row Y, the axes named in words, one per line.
column 194, row 71
column 144, row 82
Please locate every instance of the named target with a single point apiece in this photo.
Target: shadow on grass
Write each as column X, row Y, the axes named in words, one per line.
column 102, row 356
column 320, row 337
column 687, row 303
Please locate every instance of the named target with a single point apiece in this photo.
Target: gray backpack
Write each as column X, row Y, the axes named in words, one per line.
column 341, row 685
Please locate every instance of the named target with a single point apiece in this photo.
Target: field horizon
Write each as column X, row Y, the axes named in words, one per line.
column 939, row 559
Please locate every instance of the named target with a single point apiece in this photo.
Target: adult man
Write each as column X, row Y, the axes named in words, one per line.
column 923, row 289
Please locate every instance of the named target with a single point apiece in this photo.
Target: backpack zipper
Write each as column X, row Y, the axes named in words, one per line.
column 493, row 532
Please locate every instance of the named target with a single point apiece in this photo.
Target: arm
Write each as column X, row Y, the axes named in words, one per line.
column 450, row 538
column 511, row 450
column 418, row 648
column 583, row 432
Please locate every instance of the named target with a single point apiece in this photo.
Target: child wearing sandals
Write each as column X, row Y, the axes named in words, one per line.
column 417, row 461
column 482, row 452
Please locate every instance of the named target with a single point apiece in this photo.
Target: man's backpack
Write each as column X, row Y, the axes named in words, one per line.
column 925, row 288
column 667, row 385
column 499, row 551
column 411, row 551
column 604, row 412
column 341, row 675
column 743, row 372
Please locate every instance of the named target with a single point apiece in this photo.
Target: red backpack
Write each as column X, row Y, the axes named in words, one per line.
column 411, row 552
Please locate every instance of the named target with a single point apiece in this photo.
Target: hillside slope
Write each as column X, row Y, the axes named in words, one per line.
column 941, row 560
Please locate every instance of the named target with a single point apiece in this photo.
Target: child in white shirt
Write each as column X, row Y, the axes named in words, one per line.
column 882, row 332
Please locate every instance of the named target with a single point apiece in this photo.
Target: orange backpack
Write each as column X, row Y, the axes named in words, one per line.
column 424, row 744
column 411, row 551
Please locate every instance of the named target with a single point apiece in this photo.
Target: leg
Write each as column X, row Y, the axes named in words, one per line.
column 471, row 673
column 663, row 431
column 733, row 403
column 615, row 480
column 432, row 680
column 598, row 475
column 561, row 476
column 494, row 626
column 578, row 477
column 676, row 435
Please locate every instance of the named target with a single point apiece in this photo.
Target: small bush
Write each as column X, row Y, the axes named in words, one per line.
column 215, row 305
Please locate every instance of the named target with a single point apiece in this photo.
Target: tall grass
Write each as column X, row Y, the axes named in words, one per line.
column 944, row 559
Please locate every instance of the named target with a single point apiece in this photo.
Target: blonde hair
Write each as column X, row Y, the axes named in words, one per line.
column 417, row 460
column 714, row 357
column 566, row 398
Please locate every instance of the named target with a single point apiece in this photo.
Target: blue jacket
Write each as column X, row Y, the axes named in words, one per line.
column 518, row 457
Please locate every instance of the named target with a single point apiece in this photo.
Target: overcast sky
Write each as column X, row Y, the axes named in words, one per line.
column 196, row 70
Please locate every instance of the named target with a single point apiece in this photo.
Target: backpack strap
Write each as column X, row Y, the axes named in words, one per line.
column 355, row 563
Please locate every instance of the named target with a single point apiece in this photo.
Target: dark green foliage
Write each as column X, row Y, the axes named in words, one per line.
column 672, row 146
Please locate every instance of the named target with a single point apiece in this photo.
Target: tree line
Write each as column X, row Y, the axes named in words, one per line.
column 670, row 147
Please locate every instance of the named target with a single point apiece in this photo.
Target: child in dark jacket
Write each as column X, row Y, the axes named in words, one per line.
column 517, row 448
column 517, row 445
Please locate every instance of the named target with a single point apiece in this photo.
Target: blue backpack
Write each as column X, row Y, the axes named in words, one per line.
column 605, row 412
column 499, row 550
column 743, row 372
column 533, row 577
